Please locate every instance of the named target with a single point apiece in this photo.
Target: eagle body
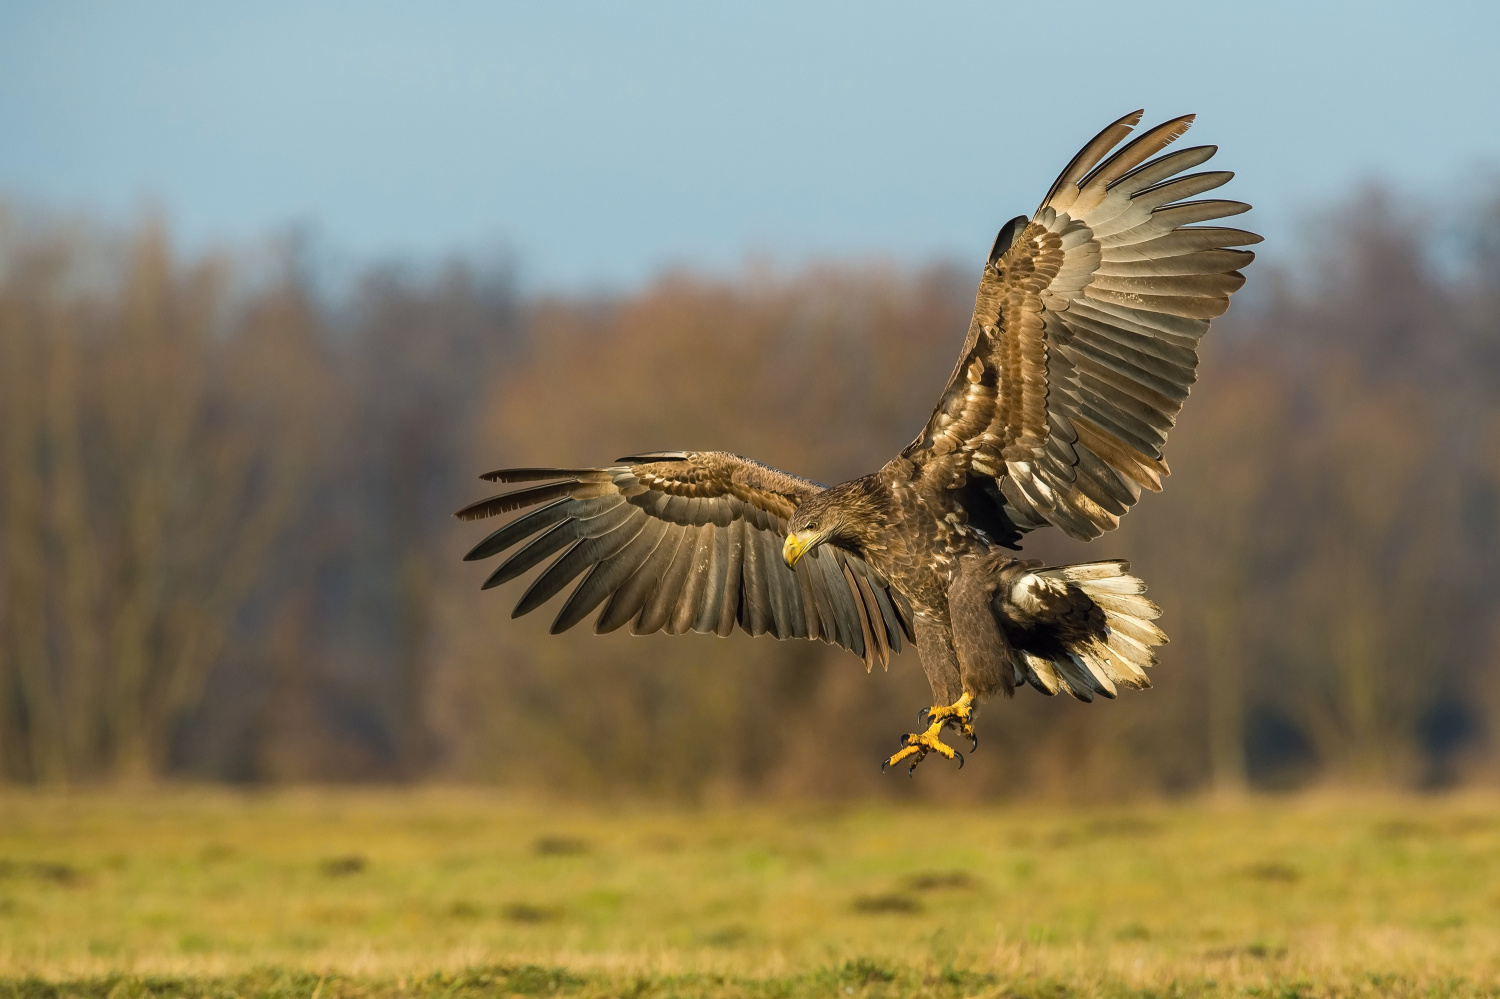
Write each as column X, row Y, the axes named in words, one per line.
column 977, row 613
column 1079, row 355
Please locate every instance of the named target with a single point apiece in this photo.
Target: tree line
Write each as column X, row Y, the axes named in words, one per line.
column 226, row 550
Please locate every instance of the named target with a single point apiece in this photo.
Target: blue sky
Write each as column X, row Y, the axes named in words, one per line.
column 602, row 142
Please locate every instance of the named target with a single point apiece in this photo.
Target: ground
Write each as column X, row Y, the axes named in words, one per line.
column 458, row 893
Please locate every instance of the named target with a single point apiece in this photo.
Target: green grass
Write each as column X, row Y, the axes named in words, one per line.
column 452, row 894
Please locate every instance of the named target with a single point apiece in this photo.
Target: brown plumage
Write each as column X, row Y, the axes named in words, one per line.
column 1079, row 356
column 684, row 541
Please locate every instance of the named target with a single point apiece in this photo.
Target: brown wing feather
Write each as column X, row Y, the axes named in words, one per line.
column 1083, row 343
column 683, row 541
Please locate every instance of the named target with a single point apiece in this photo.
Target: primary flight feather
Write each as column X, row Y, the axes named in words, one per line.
column 1078, row 358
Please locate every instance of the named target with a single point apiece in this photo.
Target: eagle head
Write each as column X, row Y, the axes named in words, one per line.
column 802, row 540
column 831, row 515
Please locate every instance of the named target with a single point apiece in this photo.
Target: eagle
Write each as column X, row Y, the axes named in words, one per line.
column 1078, row 358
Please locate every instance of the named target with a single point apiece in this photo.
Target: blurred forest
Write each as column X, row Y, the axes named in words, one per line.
column 226, row 549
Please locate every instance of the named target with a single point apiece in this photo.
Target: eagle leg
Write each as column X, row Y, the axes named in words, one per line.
column 916, row 745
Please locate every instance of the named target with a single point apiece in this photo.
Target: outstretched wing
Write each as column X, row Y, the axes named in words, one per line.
column 684, row 541
column 1083, row 343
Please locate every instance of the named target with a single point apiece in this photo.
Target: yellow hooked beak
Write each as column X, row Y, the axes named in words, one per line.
column 797, row 545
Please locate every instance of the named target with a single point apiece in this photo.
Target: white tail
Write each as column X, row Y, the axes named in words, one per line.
column 1121, row 655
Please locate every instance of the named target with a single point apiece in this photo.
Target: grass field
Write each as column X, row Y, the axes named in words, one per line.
column 453, row 894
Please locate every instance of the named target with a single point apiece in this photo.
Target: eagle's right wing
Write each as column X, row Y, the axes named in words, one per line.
column 685, row 541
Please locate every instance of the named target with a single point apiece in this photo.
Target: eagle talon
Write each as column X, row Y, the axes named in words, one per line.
column 960, row 711
column 916, row 746
column 959, row 714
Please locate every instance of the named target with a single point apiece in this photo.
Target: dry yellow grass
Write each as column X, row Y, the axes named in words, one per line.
column 1320, row 896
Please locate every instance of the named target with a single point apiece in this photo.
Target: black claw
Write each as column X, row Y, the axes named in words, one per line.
column 911, row 771
column 974, row 740
column 884, row 763
column 960, row 759
column 922, row 716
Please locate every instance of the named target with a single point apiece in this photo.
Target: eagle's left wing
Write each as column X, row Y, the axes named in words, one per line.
column 1084, row 338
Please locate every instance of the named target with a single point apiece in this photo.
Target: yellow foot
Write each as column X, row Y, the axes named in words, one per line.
column 917, row 745
column 959, row 714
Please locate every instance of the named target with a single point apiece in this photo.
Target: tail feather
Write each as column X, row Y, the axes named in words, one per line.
column 1113, row 656
column 1142, row 632
column 1128, row 648
column 1041, row 674
column 1132, row 606
column 1124, row 586
column 1117, row 669
column 1131, row 674
column 1111, row 569
column 1085, row 674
